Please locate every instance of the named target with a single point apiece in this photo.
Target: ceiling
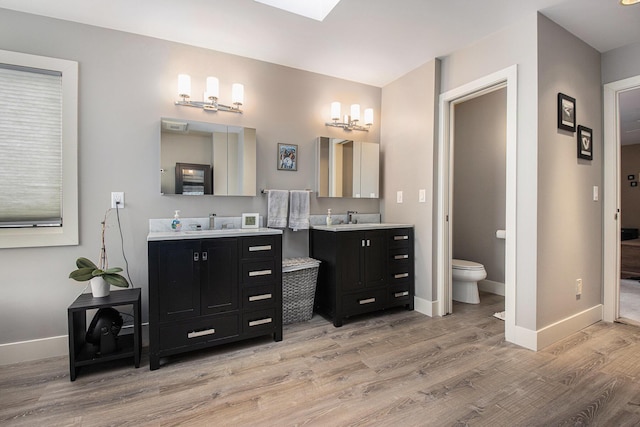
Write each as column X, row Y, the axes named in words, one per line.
column 368, row 41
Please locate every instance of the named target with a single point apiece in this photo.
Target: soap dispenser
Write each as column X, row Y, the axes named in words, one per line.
column 176, row 225
column 329, row 220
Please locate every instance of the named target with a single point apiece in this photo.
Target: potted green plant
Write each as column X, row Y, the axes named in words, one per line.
column 100, row 276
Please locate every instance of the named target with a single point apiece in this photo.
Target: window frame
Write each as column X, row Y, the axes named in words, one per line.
column 67, row 234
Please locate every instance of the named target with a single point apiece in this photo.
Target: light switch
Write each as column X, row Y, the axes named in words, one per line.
column 399, row 197
column 595, row 193
column 422, row 195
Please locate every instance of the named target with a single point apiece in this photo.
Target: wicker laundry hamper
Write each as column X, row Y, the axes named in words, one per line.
column 299, row 276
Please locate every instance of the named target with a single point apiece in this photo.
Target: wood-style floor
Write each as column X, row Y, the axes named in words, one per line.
column 396, row 369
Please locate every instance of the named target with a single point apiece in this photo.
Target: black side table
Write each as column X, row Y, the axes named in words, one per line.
column 82, row 353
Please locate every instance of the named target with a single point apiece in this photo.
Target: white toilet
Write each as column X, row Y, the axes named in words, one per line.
column 465, row 276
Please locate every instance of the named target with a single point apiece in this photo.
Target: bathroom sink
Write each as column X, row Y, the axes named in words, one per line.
column 195, row 234
column 359, row 226
column 212, row 232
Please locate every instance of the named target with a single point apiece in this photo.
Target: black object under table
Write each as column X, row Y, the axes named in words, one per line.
column 82, row 353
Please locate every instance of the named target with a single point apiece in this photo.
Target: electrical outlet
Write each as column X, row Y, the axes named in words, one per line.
column 578, row 287
column 117, row 199
column 399, row 197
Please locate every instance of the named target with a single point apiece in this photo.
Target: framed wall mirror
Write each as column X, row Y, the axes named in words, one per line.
column 347, row 168
column 224, row 158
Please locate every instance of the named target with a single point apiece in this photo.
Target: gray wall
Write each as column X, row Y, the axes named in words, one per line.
column 127, row 82
column 479, row 181
column 409, row 107
column 569, row 221
column 621, row 63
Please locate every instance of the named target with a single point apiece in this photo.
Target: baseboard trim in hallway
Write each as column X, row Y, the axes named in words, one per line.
column 565, row 327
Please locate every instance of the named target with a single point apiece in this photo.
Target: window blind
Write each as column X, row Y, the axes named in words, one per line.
column 30, row 147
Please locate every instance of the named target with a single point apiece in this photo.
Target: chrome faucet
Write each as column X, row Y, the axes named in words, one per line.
column 350, row 216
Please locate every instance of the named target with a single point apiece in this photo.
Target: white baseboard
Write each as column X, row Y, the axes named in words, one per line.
column 570, row 325
column 491, row 286
column 430, row 308
column 537, row 340
column 25, row 351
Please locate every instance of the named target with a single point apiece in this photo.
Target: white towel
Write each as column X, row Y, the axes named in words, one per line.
column 277, row 207
column 299, row 210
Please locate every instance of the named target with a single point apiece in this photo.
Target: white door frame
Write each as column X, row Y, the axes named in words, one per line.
column 611, row 206
column 507, row 77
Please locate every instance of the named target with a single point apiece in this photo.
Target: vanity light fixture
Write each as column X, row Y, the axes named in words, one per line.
column 211, row 95
column 629, row 2
column 350, row 122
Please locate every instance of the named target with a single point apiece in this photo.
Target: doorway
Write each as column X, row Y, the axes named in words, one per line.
column 478, row 189
column 618, row 253
column 506, row 78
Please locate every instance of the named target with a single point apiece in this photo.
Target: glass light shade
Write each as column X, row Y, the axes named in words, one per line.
column 355, row 112
column 368, row 116
column 213, row 88
column 335, row 111
column 629, row 2
column 184, row 85
column 237, row 93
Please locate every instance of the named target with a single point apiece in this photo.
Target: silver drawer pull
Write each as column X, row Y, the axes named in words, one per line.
column 196, row 334
column 259, row 248
column 401, row 294
column 400, row 237
column 367, row 301
column 261, row 321
column 259, row 273
column 259, row 297
column 405, row 256
column 400, row 275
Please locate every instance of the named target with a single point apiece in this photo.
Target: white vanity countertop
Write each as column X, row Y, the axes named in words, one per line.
column 359, row 226
column 210, row 234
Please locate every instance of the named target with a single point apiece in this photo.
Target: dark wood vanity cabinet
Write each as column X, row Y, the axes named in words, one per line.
column 362, row 271
column 206, row 292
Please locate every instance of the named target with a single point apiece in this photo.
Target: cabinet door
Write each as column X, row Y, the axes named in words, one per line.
column 178, row 284
column 375, row 260
column 219, row 275
column 349, row 260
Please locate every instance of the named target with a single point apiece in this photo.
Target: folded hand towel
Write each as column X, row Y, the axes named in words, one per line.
column 299, row 210
column 277, row 207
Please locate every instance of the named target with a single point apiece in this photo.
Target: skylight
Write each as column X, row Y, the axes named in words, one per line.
column 314, row 9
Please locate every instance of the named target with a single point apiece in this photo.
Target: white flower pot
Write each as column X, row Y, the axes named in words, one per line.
column 99, row 288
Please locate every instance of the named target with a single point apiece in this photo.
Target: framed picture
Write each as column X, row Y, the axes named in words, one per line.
column 250, row 220
column 566, row 112
column 287, row 157
column 585, row 143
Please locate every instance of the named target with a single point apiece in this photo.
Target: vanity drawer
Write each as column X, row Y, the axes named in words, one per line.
column 199, row 331
column 257, row 272
column 399, row 295
column 400, row 272
column 259, row 321
column 363, row 302
column 400, row 255
column 258, row 247
column 256, row 297
column 400, row 237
